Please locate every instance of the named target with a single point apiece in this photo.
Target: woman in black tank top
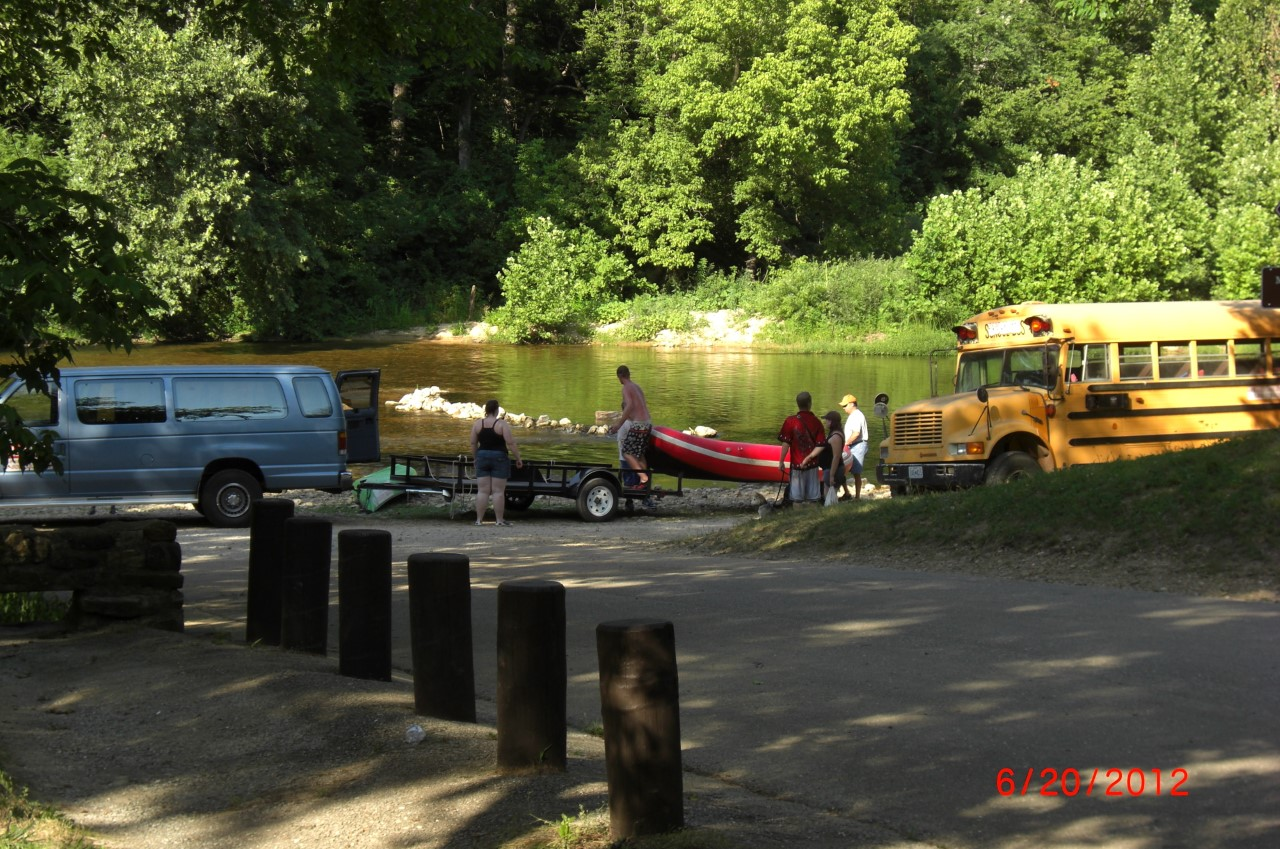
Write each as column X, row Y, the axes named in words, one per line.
column 491, row 439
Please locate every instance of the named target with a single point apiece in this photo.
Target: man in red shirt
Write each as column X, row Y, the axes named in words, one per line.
column 804, row 436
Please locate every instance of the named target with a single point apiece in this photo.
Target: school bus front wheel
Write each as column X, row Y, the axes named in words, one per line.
column 1012, row 465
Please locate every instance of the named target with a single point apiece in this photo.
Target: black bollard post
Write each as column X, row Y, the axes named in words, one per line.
column 364, row 604
column 532, row 676
column 304, row 613
column 444, row 680
column 640, row 704
column 266, row 569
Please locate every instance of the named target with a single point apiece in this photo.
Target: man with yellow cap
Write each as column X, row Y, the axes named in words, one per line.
column 855, row 444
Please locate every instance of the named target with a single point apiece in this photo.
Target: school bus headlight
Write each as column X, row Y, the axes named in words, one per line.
column 965, row 449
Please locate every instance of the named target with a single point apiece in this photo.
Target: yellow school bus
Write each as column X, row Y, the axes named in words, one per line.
column 1040, row 387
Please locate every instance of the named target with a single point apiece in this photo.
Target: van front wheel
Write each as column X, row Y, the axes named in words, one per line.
column 227, row 498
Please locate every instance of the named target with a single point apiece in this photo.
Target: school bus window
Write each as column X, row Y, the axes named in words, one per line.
column 1175, row 359
column 1097, row 363
column 1249, row 358
column 1211, row 359
column 1135, row 361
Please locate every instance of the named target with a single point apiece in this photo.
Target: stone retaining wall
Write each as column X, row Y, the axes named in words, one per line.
column 115, row 571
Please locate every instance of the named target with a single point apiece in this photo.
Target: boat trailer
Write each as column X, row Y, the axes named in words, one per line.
column 598, row 490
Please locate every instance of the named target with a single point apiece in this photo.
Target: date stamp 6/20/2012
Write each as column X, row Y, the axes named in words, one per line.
column 1106, row 782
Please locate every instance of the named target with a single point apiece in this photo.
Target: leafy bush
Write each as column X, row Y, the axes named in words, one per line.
column 555, row 283
column 848, row 299
column 1056, row 231
column 1247, row 234
column 643, row 318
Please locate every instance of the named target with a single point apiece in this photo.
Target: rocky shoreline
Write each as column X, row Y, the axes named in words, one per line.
column 430, row 399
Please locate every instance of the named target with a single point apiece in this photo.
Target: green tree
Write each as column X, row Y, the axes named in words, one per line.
column 1177, row 95
column 64, row 277
column 167, row 133
column 757, row 131
column 998, row 82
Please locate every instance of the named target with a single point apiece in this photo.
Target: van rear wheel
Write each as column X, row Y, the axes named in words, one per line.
column 227, row 497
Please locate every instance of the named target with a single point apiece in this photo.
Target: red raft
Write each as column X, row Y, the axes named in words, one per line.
column 674, row 453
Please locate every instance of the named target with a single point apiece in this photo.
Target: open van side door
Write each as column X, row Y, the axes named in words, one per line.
column 359, row 392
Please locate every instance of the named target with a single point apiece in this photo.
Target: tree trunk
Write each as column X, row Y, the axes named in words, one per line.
column 465, row 109
column 399, row 105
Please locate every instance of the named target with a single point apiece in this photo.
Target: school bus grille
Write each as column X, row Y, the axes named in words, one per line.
column 917, row 429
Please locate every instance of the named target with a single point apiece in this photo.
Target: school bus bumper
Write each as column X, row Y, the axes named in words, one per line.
column 930, row 475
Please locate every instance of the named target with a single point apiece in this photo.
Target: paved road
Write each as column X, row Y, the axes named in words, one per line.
column 895, row 698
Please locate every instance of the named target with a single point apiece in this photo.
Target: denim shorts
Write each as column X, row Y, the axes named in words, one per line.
column 493, row 464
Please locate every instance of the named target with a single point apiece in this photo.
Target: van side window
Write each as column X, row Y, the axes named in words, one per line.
column 120, row 401
column 197, row 398
column 313, row 397
column 36, row 408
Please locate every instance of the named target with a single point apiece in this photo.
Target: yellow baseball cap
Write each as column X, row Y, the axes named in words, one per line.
column 847, row 400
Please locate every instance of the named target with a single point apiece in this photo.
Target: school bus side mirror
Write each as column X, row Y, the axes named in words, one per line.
column 982, row 394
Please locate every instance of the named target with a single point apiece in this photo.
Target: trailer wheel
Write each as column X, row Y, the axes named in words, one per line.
column 598, row 500
column 519, row 500
column 227, row 497
column 1012, row 465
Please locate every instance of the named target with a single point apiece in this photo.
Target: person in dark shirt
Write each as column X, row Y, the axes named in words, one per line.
column 491, row 439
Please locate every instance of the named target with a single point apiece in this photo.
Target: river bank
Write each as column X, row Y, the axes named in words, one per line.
column 722, row 329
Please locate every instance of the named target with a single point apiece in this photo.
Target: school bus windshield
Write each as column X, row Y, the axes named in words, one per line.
column 1004, row 367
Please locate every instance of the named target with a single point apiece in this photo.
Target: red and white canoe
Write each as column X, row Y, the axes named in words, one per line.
column 672, row 452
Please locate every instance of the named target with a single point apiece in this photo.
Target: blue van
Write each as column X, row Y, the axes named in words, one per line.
column 215, row 436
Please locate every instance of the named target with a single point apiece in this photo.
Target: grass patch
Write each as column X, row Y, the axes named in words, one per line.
column 28, row 825
column 1205, row 514
column 26, row 608
column 590, row 830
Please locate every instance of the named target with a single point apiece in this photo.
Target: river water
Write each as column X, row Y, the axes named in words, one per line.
column 743, row 395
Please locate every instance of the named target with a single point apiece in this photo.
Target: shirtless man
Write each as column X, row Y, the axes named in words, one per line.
column 634, row 427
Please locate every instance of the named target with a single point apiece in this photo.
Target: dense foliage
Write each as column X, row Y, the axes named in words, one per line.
column 311, row 168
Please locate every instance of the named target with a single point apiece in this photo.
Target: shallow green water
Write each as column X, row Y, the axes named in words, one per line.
column 743, row 395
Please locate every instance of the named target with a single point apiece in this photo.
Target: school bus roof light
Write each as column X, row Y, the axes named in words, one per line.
column 966, row 332
column 1038, row 325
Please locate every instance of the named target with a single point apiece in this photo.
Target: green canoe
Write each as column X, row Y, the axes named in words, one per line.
column 370, row 498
